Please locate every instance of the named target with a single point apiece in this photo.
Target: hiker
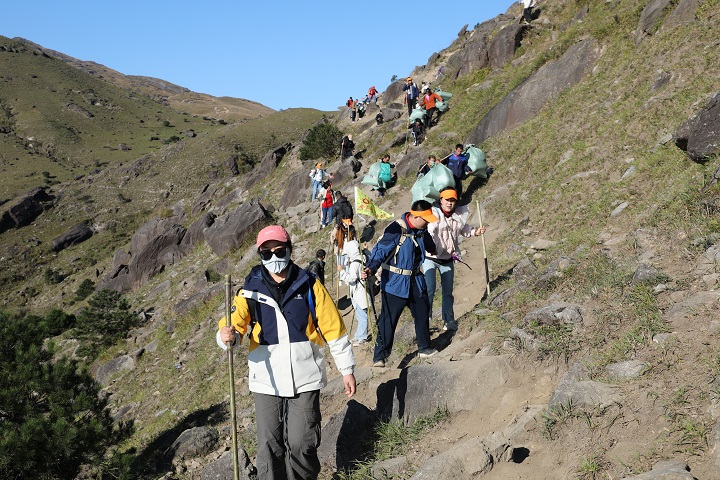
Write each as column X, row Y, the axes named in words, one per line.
column 289, row 317
column 428, row 102
column 385, row 177
column 359, row 298
column 349, row 105
column 347, row 147
column 399, row 253
column 457, row 162
column 373, row 94
column 317, row 266
column 361, row 109
column 326, row 206
column 368, row 232
column 446, row 232
column 425, row 167
column 411, row 94
column 341, row 208
column 341, row 233
column 439, row 72
column 379, row 118
column 317, row 175
column 417, row 129
column 528, row 5
column 353, row 110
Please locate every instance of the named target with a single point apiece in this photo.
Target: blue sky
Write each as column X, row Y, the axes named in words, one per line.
column 279, row 53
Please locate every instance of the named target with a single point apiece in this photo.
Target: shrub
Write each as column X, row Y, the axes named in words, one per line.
column 53, row 277
column 107, row 319
column 53, row 419
column 321, row 141
column 86, row 288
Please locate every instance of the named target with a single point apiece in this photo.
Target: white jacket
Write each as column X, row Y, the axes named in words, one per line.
column 446, row 231
column 351, row 275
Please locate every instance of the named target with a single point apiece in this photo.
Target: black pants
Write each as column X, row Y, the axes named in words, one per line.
column 412, row 103
column 392, row 307
column 527, row 14
column 428, row 116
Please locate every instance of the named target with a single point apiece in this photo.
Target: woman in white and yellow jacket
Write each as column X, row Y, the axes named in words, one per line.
column 290, row 316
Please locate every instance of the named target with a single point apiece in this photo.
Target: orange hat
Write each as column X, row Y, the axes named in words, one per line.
column 318, row 165
column 449, row 194
column 273, row 232
column 426, row 215
column 347, row 221
column 409, row 79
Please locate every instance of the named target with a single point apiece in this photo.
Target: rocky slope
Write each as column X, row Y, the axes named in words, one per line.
column 596, row 354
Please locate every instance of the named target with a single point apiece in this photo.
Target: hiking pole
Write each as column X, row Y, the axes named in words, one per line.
column 487, row 268
column 228, row 308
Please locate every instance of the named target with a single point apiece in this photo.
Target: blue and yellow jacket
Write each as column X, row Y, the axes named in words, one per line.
column 286, row 349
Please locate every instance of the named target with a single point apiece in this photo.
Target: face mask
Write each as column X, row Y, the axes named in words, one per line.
column 276, row 265
column 432, row 164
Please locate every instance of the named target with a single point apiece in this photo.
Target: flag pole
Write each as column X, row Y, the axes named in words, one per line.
column 233, row 416
column 487, row 268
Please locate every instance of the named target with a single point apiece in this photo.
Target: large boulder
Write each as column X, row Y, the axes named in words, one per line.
column 453, row 385
column 222, row 468
column 229, row 232
column 24, row 211
column 77, row 234
column 525, row 101
column 297, row 189
column 269, row 162
column 699, row 137
column 192, row 443
column 502, row 48
column 472, row 56
column 683, row 13
column 340, row 447
column 651, row 18
column 195, row 231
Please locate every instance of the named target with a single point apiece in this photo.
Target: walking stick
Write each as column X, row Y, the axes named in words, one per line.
column 228, row 307
column 487, row 268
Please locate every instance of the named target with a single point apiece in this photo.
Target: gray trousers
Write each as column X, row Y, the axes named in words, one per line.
column 288, row 431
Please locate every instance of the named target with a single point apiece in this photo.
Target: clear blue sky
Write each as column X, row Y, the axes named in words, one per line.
column 282, row 54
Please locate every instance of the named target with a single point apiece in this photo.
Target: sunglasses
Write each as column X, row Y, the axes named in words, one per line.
column 280, row 252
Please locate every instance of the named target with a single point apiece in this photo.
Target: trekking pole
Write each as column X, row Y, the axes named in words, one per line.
column 487, row 268
column 233, row 418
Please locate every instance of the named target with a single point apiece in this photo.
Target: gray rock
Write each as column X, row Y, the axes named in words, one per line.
column 555, row 314
column 699, row 137
column 627, row 370
column 340, row 434
column 709, row 262
column 619, row 209
column 112, row 368
column 683, row 13
column 461, row 385
column 503, row 46
column 297, row 189
column 525, row 101
column 527, row 341
column 576, row 390
column 666, row 470
column 714, row 444
column 222, row 468
column 231, row 231
column 25, row 210
column 76, row 234
column 628, row 173
column 192, row 443
column 542, row 244
column 553, row 271
column 645, row 274
column 194, row 235
column 468, row 459
column 391, row 468
column 650, row 19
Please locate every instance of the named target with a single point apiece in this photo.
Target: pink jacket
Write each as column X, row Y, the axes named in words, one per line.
column 447, row 230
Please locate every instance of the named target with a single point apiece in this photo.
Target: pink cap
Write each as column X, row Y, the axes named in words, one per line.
column 273, row 232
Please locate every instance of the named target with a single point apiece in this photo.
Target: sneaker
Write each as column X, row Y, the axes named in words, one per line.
column 379, row 364
column 451, row 325
column 358, row 342
column 427, row 352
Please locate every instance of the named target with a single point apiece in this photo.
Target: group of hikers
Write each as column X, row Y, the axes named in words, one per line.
column 358, row 107
column 289, row 316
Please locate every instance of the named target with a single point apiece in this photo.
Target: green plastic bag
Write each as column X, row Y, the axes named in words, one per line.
column 372, row 177
column 429, row 186
column 417, row 113
column 476, row 161
column 445, row 95
column 442, row 106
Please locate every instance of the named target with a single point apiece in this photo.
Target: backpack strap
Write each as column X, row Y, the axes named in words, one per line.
column 403, row 235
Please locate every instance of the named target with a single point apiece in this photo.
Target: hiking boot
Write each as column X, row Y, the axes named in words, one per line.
column 450, row 325
column 379, row 364
column 427, row 352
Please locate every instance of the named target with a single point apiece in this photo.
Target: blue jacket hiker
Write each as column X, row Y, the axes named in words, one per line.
column 399, row 253
column 457, row 162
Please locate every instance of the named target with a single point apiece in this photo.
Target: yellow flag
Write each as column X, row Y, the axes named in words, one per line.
column 365, row 206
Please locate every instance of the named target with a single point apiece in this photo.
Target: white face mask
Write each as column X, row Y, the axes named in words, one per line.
column 276, row 265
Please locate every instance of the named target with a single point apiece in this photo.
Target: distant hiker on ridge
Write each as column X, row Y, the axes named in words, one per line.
column 373, row 94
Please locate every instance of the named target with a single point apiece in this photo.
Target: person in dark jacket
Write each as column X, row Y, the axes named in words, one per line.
column 411, row 94
column 317, row 266
column 399, row 253
column 347, row 147
column 341, row 208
